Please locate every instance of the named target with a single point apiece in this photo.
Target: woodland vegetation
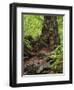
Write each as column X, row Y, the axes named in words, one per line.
column 43, row 44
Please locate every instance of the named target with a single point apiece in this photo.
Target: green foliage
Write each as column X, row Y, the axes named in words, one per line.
column 28, row 44
column 57, row 53
column 32, row 25
column 57, row 56
column 60, row 28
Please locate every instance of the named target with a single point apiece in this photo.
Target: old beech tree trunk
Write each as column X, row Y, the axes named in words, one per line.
column 50, row 32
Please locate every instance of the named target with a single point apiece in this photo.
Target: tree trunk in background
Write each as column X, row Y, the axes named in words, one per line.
column 50, row 32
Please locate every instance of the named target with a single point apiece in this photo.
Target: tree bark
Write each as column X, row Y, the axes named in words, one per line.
column 50, row 32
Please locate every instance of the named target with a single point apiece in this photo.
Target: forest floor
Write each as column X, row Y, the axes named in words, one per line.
column 39, row 63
